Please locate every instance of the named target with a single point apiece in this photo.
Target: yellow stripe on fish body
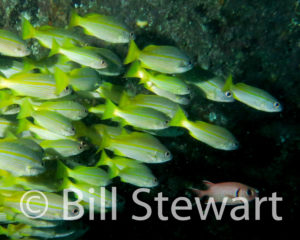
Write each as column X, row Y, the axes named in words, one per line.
column 158, row 103
column 129, row 170
column 36, row 223
column 139, row 146
column 38, row 85
column 103, row 27
column 46, row 34
column 145, row 118
column 11, row 45
column 64, row 147
column 184, row 100
column 96, row 195
column 81, row 55
column 114, row 63
column 4, row 126
column 171, row 84
column 140, row 177
column 55, row 204
column 69, row 109
column 54, row 122
column 213, row 90
column 90, row 175
column 23, row 231
column 214, row 136
column 164, row 59
column 9, row 68
column 253, row 97
column 40, row 132
column 19, row 159
column 84, row 79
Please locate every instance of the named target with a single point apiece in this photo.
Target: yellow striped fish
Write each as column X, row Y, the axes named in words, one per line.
column 103, row 27
column 164, row 59
column 12, row 200
column 252, row 96
column 214, row 136
column 37, row 85
column 146, row 118
column 11, row 45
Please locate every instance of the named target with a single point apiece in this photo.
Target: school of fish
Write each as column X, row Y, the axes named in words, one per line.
column 46, row 107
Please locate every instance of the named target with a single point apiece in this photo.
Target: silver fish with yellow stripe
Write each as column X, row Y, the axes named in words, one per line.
column 11, row 45
column 139, row 146
column 253, row 97
column 103, row 27
column 164, row 59
column 214, row 136
column 171, row 84
column 146, row 118
column 19, row 159
column 55, row 202
column 46, row 34
column 37, row 85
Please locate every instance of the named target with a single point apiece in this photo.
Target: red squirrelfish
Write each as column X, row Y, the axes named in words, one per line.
column 230, row 190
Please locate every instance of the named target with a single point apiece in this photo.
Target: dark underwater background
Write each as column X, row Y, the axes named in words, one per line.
column 255, row 40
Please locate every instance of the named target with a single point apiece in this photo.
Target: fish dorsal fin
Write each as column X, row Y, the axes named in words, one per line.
column 228, row 83
column 208, row 184
column 150, row 48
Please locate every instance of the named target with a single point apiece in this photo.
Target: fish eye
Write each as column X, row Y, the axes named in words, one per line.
column 249, row 192
column 75, row 211
column 131, row 34
column 276, row 104
column 103, row 62
column 228, row 94
column 167, row 122
column 73, row 129
column 67, row 88
column 167, row 154
column 80, row 147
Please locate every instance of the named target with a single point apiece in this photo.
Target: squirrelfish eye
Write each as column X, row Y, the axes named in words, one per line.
column 276, row 104
column 228, row 94
column 249, row 192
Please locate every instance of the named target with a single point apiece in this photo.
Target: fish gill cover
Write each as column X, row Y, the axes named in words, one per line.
column 87, row 101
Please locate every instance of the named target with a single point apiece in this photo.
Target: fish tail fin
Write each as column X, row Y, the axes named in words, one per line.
column 28, row 65
column 200, row 193
column 105, row 141
column 134, row 71
column 26, row 109
column 55, row 48
column 133, row 53
column 62, row 175
column 178, row 118
column 110, row 109
column 24, row 125
column 113, row 172
column 2, row 82
column 74, row 20
column 28, row 30
column 62, row 80
column 125, row 100
column 5, row 98
column 228, row 83
column 3, row 231
column 104, row 160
